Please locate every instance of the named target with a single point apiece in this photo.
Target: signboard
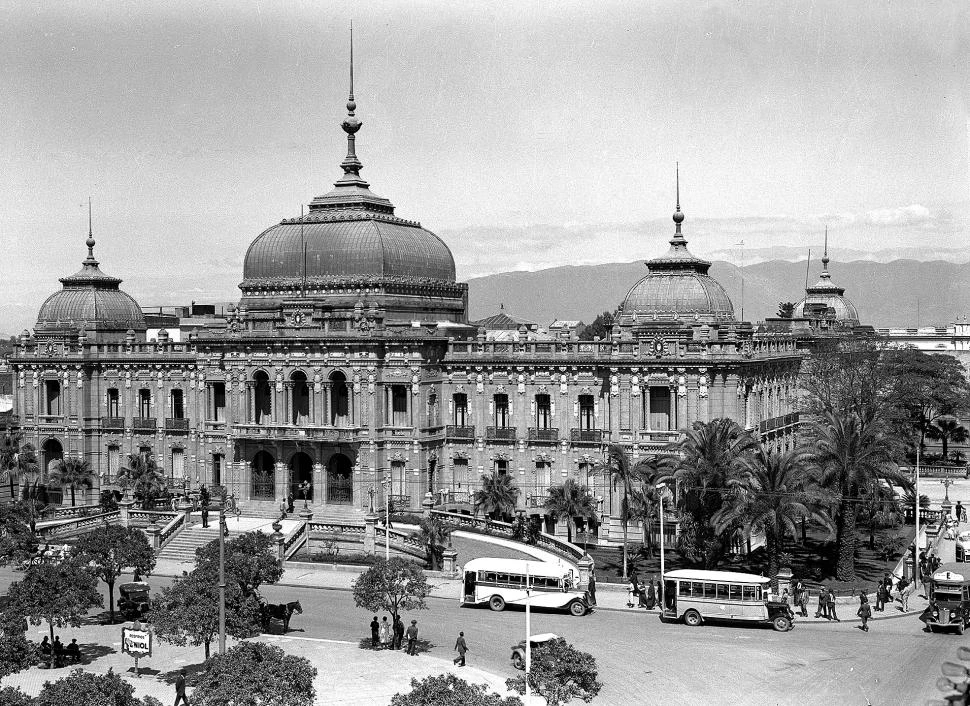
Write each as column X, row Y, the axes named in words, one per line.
column 137, row 643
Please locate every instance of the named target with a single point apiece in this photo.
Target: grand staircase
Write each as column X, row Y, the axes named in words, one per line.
column 183, row 545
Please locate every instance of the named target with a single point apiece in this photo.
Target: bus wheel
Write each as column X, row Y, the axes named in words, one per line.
column 781, row 623
column 577, row 608
column 692, row 618
column 496, row 603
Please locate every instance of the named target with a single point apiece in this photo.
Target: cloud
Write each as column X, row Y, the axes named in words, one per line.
column 902, row 215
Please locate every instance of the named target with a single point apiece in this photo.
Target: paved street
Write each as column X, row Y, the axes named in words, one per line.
column 645, row 661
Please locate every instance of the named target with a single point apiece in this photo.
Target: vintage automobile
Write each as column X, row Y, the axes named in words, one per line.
column 949, row 607
column 518, row 651
column 133, row 599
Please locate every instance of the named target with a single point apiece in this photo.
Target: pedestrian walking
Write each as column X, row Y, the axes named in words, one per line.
column 591, row 589
column 880, row 596
column 412, row 636
column 651, row 596
column 801, row 597
column 462, row 649
column 289, row 503
column 831, row 606
column 283, row 508
column 660, row 596
column 180, row 689
column 375, row 633
column 959, row 512
column 905, row 588
column 864, row 612
column 398, row 632
column 386, row 633
column 823, row 598
column 642, row 596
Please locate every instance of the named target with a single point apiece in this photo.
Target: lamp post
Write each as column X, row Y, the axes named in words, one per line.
column 222, row 576
column 386, row 484
column 916, row 569
column 528, row 632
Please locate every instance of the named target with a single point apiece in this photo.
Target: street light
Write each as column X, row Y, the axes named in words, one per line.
column 386, row 484
column 528, row 632
column 222, row 575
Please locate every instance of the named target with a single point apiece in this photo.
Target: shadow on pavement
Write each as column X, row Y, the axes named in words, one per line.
column 93, row 651
column 143, row 671
column 420, row 647
column 191, row 671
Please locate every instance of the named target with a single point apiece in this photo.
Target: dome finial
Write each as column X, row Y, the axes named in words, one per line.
column 825, row 256
column 90, row 241
column 351, row 165
column 678, row 216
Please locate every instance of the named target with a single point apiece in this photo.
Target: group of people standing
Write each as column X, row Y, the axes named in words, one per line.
column 647, row 595
column 390, row 635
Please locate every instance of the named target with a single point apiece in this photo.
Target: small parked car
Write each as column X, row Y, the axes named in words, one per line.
column 133, row 601
column 518, row 651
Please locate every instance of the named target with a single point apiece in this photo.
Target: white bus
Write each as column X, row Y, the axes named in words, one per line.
column 502, row 582
column 693, row 596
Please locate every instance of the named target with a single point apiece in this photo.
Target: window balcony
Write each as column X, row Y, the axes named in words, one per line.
column 177, row 424
column 113, row 423
column 453, row 431
column 544, row 435
column 586, row 436
column 500, row 433
column 144, row 424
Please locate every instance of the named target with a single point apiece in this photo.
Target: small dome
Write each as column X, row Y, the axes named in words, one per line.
column 825, row 299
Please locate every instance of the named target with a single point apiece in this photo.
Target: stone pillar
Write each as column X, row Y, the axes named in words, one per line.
column 124, row 508
column 370, row 533
column 585, row 570
column 154, row 533
column 282, row 485
column 277, row 539
column 427, row 504
column 449, row 561
column 562, row 528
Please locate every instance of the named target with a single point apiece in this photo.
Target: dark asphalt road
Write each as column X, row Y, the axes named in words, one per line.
column 644, row 661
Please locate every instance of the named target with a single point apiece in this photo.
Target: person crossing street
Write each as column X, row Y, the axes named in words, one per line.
column 462, row 648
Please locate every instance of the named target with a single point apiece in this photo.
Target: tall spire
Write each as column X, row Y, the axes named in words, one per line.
column 90, row 241
column 351, row 165
column 678, row 216
column 825, row 257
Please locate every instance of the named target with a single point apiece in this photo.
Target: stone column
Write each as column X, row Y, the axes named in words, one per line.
column 186, row 509
column 154, row 533
column 427, row 504
column 585, row 570
column 124, row 509
column 449, row 561
column 319, row 489
column 370, row 533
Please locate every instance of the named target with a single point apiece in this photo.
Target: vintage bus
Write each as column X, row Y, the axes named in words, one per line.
column 949, row 598
column 963, row 547
column 502, row 582
column 695, row 596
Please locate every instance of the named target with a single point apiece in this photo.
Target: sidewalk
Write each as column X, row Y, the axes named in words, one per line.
column 364, row 676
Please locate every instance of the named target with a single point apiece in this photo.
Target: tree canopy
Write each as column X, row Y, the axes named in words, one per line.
column 72, row 473
column 255, row 674
column 599, row 328
column 17, row 542
column 393, row 585
column 497, row 496
column 250, row 562
column 142, row 477
column 570, row 500
column 16, row 651
column 559, row 673
column 930, row 387
column 111, row 550
column 449, row 690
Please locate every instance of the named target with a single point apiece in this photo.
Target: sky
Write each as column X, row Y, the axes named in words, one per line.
column 526, row 134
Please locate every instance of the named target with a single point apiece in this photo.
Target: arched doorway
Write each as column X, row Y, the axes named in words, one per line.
column 262, row 399
column 340, row 487
column 301, row 471
column 339, row 400
column 263, row 472
column 299, row 399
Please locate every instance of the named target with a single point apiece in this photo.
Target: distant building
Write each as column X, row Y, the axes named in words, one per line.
column 953, row 339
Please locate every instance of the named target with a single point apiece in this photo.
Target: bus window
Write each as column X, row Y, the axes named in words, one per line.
column 516, row 580
column 735, row 592
column 490, row 576
column 683, row 588
column 722, row 591
column 709, row 591
column 697, row 589
column 749, row 593
column 503, row 579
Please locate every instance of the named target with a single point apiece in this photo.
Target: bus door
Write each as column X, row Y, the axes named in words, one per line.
column 470, row 586
column 670, row 597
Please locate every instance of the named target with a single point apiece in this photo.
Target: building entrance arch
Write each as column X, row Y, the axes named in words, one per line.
column 340, row 484
column 263, row 470
column 301, row 471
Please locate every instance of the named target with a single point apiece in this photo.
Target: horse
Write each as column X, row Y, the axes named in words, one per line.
column 281, row 611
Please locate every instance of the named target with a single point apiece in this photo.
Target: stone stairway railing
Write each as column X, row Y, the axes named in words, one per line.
column 504, row 529
column 161, row 536
column 294, row 540
column 76, row 525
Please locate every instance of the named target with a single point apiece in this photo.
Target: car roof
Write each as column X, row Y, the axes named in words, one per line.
column 544, row 637
column 716, row 576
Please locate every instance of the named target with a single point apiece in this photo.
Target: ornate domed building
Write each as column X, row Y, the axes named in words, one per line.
column 348, row 372
column 825, row 300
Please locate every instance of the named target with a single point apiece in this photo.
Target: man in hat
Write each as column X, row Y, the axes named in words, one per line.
column 180, row 689
column 823, row 598
column 462, row 649
column 412, row 635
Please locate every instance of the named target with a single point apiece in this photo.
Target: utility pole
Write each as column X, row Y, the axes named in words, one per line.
column 222, row 576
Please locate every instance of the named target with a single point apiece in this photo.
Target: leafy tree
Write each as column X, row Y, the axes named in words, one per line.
column 570, row 500
column 59, row 593
column 72, row 473
column 90, row 689
column 250, row 562
column 255, row 674
column 187, row 612
column 711, row 455
column 393, row 585
column 851, row 458
column 773, row 494
column 621, row 475
column 433, row 533
column 13, row 696
column 107, row 502
column 599, row 328
column 947, row 429
column 143, row 478
column 497, row 497
column 17, row 542
column 449, row 690
column 110, row 551
column 786, row 310
column 16, row 651
column 559, row 673
column 18, row 461
column 930, row 387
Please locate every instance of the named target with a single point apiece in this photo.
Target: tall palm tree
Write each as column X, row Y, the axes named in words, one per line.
column 850, row 457
column 879, row 508
column 433, row 534
column 570, row 500
column 652, row 474
column 947, row 429
column 497, row 497
column 712, row 454
column 773, row 495
column 74, row 473
column 621, row 476
column 142, row 476
column 18, row 462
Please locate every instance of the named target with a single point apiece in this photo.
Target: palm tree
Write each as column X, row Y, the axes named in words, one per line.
column 712, row 454
column 947, row 429
column 621, row 475
column 652, row 473
column 879, row 508
column 497, row 497
column 850, row 458
column 570, row 500
column 18, row 462
column 775, row 492
column 143, row 477
column 433, row 534
column 74, row 473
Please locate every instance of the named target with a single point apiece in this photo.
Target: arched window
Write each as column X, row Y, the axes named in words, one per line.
column 301, row 471
column 263, row 467
column 300, row 399
column 262, row 399
column 339, row 400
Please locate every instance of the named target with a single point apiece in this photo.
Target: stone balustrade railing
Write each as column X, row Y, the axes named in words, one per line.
column 77, row 524
column 174, row 526
column 295, row 539
column 481, row 524
column 63, row 513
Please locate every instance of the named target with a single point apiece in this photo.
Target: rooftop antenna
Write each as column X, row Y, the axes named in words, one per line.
column 808, row 265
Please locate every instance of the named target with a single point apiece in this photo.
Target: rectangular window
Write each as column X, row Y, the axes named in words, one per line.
column 114, row 461
column 722, row 592
column 399, row 406
column 587, row 412
column 543, row 477
column 683, row 588
column 735, row 592
column 397, row 478
column 659, row 409
column 178, row 464
column 460, row 474
column 543, row 412
column 502, row 467
column 177, row 403
column 710, row 590
column 501, row 410
column 217, row 404
column 113, row 403
column 52, row 390
column 460, row 400
column 749, row 593
column 217, row 469
column 144, row 404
